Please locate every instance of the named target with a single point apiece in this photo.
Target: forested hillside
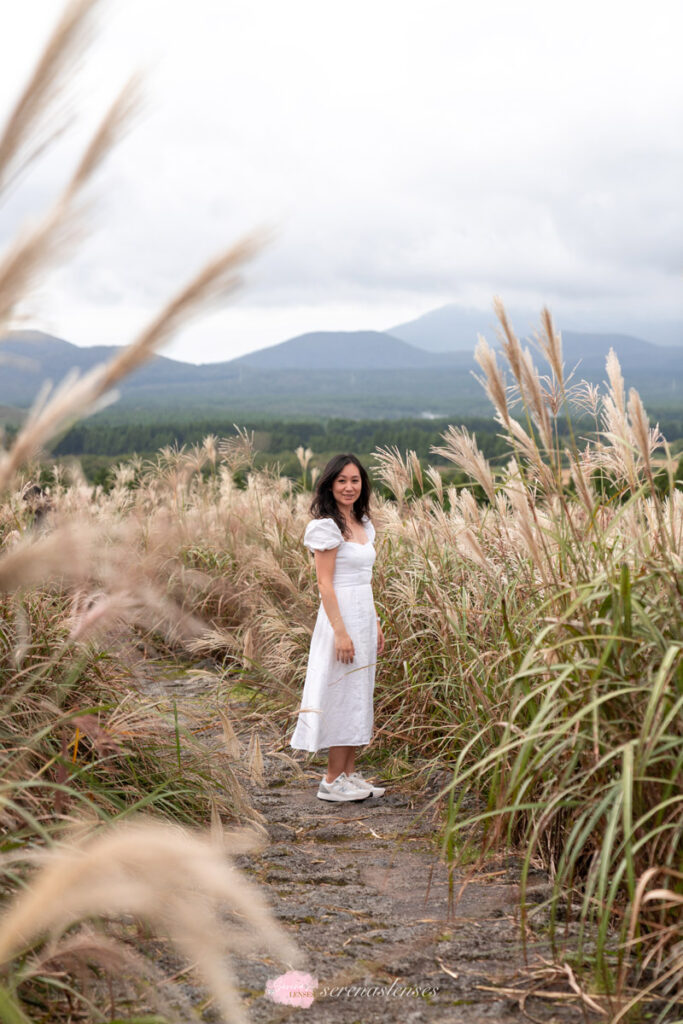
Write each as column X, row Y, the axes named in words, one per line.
column 103, row 438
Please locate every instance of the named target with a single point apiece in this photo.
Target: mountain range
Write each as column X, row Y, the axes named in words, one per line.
column 361, row 374
column 455, row 327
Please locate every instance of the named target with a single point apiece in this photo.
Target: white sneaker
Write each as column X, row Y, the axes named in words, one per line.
column 357, row 779
column 341, row 790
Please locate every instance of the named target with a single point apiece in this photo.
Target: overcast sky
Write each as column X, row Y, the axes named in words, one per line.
column 408, row 153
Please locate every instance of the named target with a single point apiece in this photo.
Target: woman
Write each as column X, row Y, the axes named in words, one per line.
column 336, row 708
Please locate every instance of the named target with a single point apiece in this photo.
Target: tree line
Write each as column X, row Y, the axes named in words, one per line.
column 274, row 437
column 100, row 443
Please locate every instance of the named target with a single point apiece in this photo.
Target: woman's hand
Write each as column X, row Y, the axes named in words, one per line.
column 380, row 639
column 343, row 648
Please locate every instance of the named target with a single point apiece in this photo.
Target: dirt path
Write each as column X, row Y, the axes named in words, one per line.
column 360, row 887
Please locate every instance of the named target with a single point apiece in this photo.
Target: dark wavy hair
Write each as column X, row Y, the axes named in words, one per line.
column 324, row 505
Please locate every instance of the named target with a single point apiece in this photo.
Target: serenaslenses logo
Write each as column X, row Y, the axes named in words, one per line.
column 298, row 989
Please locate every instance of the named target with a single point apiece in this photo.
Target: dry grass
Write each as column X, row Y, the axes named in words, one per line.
column 25, row 134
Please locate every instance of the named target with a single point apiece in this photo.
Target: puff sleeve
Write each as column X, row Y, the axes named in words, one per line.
column 322, row 535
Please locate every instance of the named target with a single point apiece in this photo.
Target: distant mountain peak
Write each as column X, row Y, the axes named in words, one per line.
column 451, row 327
column 339, row 350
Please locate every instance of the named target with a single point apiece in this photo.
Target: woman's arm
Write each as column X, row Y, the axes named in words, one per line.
column 324, row 567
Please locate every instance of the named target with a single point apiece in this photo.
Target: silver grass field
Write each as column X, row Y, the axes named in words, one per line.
column 534, row 659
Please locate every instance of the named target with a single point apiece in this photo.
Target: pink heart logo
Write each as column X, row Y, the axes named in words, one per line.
column 295, row 988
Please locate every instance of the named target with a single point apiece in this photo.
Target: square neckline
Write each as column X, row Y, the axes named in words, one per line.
column 358, row 543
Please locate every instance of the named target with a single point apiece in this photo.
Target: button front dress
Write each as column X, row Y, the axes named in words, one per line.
column 336, row 707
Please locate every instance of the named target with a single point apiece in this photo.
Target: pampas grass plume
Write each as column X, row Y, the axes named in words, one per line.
column 255, row 759
column 178, row 882
column 232, row 744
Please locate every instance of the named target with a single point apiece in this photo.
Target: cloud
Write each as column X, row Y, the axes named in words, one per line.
column 406, row 155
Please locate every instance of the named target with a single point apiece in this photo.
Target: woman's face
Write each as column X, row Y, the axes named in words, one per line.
column 347, row 487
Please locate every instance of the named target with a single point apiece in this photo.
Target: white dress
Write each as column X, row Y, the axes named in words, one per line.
column 336, row 707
